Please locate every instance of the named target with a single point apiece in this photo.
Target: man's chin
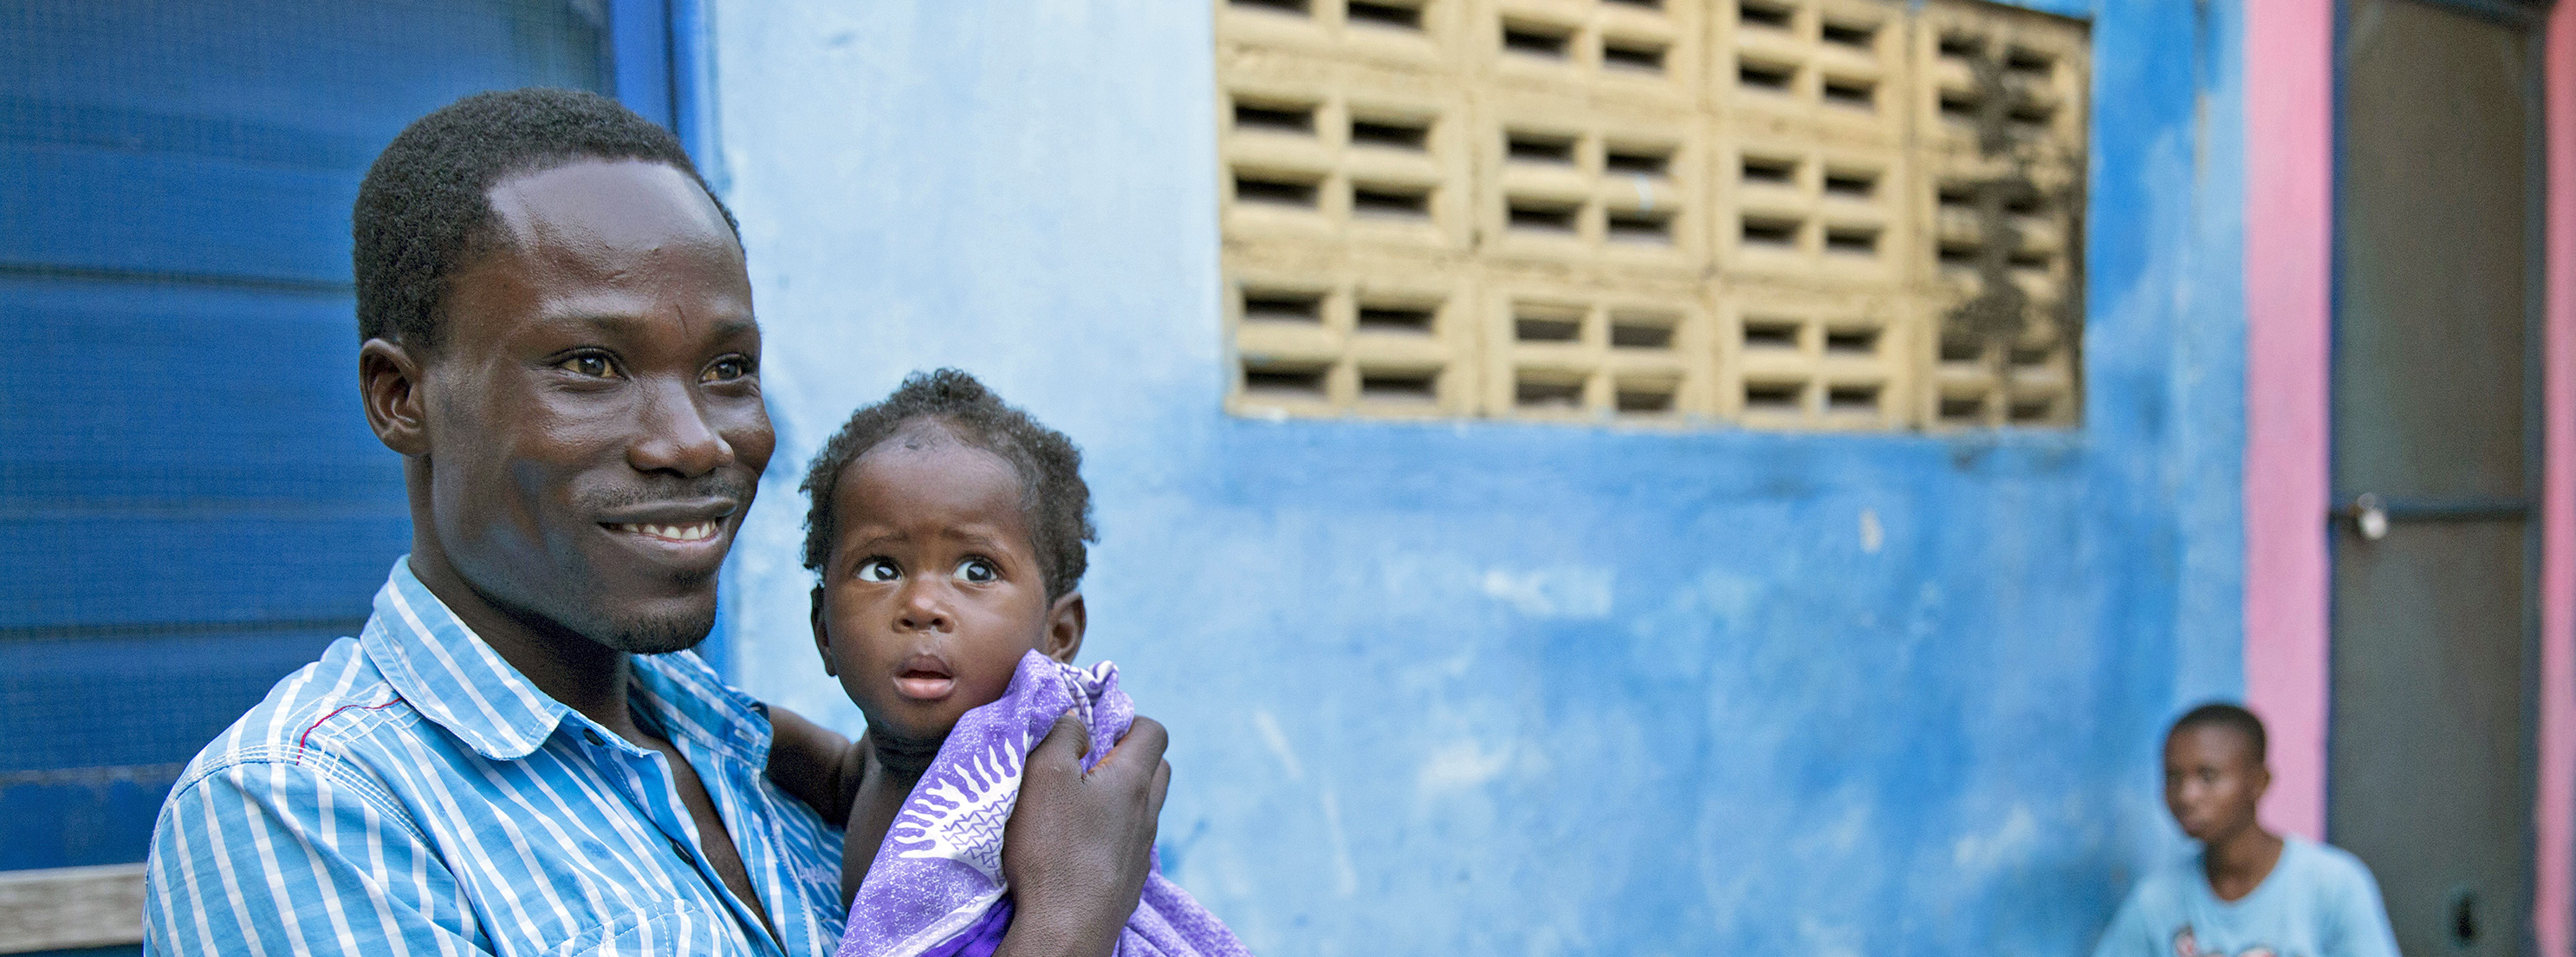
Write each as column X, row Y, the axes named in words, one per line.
column 659, row 636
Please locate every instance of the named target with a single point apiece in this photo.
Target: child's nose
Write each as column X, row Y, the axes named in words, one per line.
column 922, row 611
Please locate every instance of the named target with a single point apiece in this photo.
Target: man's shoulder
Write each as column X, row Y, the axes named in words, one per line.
column 310, row 717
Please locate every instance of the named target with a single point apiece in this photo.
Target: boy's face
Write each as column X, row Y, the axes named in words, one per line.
column 2212, row 781
column 933, row 590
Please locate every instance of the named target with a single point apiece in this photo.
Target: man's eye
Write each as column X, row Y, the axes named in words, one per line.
column 726, row 369
column 977, row 570
column 590, row 365
column 878, row 570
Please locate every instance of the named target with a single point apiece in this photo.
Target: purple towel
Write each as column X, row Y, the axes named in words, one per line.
column 936, row 889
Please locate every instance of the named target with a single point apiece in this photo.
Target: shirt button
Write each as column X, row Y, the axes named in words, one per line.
column 593, row 737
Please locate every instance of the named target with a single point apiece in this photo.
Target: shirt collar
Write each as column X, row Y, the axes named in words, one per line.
column 448, row 674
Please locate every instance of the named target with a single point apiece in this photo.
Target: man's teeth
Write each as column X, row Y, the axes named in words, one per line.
column 695, row 531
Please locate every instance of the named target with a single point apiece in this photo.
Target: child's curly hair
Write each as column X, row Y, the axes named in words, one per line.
column 1052, row 494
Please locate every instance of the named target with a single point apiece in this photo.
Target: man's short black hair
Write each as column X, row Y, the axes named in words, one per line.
column 423, row 208
column 2224, row 715
column 1052, row 494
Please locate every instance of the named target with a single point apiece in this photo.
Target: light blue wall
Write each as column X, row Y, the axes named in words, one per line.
column 1489, row 688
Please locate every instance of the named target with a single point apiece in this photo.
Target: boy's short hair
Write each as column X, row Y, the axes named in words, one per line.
column 1053, row 496
column 2224, row 715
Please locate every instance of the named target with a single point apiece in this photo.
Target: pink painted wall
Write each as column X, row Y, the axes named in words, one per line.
column 2289, row 163
column 2555, row 828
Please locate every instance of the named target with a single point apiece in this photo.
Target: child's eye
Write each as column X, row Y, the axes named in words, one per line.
column 878, row 570
column 977, row 570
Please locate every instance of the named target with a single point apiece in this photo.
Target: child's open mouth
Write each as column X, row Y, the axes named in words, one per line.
column 925, row 678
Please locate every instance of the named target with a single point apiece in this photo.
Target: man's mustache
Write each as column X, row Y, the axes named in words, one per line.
column 658, row 491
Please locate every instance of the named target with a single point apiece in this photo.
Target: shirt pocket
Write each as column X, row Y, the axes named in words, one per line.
column 667, row 931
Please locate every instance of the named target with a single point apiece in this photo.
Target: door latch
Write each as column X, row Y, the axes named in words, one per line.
column 2369, row 517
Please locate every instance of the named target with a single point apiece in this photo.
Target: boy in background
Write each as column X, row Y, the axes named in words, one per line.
column 2249, row 892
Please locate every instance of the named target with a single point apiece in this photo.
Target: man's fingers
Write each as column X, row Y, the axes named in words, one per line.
column 1066, row 742
column 1141, row 747
column 1162, row 785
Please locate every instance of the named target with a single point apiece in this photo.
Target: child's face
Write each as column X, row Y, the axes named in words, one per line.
column 933, row 590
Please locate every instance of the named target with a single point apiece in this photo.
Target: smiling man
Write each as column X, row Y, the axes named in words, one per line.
column 518, row 754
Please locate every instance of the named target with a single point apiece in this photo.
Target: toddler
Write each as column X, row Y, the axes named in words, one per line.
column 949, row 532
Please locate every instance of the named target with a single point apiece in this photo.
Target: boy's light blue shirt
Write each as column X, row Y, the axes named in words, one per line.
column 2319, row 901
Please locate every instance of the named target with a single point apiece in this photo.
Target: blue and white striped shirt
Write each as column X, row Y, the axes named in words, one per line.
column 412, row 793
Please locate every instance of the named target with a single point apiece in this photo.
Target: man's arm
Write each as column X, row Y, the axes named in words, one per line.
column 1079, row 845
column 279, row 858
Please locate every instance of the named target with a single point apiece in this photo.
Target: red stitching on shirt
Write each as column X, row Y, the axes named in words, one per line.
column 335, row 712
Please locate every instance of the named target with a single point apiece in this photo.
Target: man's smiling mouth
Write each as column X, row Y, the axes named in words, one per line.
column 687, row 532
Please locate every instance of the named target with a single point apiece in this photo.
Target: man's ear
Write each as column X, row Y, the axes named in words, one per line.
column 823, row 635
column 2262, row 781
column 1064, row 628
column 390, row 386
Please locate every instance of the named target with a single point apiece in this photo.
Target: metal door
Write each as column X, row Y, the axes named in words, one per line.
column 2431, row 774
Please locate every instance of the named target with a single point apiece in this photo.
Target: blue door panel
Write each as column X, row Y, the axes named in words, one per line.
column 187, row 455
column 140, row 701
column 100, row 726
column 161, row 395
column 67, row 821
column 104, row 210
column 82, row 570
column 363, row 68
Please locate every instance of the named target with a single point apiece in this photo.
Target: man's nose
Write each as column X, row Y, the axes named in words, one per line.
column 676, row 435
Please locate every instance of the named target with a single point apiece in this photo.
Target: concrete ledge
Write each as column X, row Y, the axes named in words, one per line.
column 68, row 907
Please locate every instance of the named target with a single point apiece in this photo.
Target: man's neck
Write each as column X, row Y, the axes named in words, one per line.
column 2237, row 863
column 583, row 674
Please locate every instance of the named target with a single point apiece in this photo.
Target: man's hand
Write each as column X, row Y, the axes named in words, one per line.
column 1078, row 845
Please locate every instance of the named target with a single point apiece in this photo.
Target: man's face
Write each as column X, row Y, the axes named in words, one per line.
column 2212, row 781
column 593, row 411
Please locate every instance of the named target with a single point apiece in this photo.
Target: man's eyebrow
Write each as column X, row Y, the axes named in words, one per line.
column 614, row 324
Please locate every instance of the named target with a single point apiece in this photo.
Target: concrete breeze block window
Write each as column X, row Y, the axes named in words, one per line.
column 1802, row 214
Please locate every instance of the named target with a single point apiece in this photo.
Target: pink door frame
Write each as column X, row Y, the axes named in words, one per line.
column 2289, row 161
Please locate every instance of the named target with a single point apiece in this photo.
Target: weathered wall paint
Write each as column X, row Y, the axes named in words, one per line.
column 2289, row 251
column 2554, row 892
column 1477, row 687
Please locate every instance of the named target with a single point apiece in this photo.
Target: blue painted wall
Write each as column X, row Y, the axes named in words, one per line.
column 1481, row 687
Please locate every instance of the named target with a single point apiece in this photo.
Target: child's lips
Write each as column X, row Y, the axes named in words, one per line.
column 925, row 678
column 924, row 687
